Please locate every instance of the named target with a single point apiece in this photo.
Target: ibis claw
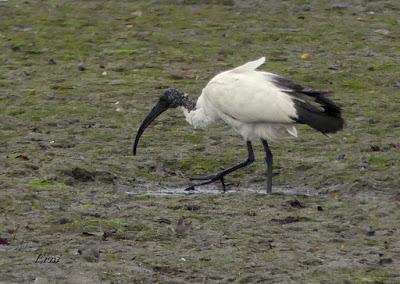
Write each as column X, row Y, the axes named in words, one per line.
column 210, row 179
column 190, row 188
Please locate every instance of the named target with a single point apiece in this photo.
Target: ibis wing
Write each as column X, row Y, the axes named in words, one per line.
column 249, row 97
column 250, row 66
column 262, row 97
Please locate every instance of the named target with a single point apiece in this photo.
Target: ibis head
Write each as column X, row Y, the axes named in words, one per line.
column 171, row 98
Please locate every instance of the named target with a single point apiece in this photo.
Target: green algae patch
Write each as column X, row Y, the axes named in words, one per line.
column 45, row 183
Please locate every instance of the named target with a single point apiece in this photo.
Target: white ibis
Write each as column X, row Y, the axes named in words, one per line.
column 257, row 105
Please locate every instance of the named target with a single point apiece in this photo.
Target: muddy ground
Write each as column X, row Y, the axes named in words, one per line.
column 76, row 79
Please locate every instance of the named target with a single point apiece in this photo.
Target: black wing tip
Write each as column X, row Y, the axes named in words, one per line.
column 313, row 107
column 325, row 121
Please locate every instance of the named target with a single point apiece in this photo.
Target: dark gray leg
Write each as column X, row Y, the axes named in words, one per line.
column 220, row 176
column 269, row 160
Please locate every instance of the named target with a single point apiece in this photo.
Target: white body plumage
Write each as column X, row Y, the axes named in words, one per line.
column 247, row 100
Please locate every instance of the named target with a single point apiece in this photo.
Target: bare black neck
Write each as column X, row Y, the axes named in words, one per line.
column 189, row 103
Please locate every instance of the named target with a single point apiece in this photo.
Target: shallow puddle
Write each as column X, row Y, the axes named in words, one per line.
column 290, row 190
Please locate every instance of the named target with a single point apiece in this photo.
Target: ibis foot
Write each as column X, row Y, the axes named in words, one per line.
column 220, row 176
column 190, row 188
column 211, row 179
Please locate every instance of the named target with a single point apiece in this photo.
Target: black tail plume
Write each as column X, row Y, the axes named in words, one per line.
column 312, row 106
column 316, row 110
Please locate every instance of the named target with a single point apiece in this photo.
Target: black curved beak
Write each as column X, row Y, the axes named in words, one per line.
column 158, row 109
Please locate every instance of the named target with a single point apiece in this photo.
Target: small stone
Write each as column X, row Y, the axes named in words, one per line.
column 108, row 234
column 192, row 207
column 395, row 145
column 375, row 148
column 4, row 242
column 305, row 56
column 64, row 220
column 22, row 157
column 305, row 8
column 296, row 203
column 340, row 6
column 91, row 255
column 81, row 174
column 182, row 227
column 251, row 213
column 81, row 67
column 15, row 48
column 163, row 220
column 386, row 260
column 382, row 31
column 137, row 13
column 193, row 33
column 370, row 232
column 360, row 118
